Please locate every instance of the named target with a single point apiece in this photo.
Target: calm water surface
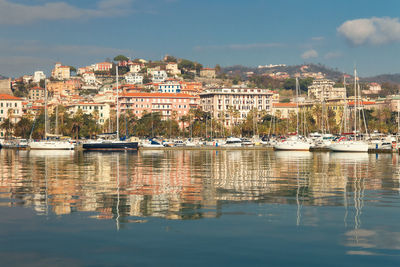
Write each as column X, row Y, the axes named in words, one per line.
column 195, row 208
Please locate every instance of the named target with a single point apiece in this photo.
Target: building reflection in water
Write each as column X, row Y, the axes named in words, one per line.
column 191, row 184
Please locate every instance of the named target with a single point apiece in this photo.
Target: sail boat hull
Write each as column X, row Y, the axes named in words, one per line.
column 110, row 146
column 349, row 146
column 293, row 144
column 51, row 145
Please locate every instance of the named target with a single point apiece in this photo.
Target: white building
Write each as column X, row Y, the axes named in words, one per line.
column 135, row 67
column 10, row 107
column 323, row 89
column 134, row 78
column 172, row 68
column 169, row 87
column 159, row 76
column 89, row 78
column 233, row 105
column 103, row 110
column 38, row 75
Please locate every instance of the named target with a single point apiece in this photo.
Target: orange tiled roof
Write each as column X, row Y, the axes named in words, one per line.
column 9, row 97
column 351, row 103
column 171, row 95
column 284, row 105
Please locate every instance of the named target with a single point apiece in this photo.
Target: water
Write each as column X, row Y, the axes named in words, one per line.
column 195, row 208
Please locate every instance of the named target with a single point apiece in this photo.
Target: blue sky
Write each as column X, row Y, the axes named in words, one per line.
column 34, row 34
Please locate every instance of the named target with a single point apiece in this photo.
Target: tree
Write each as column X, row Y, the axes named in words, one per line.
column 217, row 69
column 23, row 128
column 8, row 126
column 72, row 69
column 121, row 58
column 170, row 59
column 186, row 65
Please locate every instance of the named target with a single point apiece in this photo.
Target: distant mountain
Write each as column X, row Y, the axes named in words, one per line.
column 2, row 77
column 390, row 78
column 332, row 74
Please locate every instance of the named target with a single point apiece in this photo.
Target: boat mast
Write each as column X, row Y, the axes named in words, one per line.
column 345, row 105
column 45, row 110
column 297, row 105
column 56, row 120
column 355, row 104
column 116, row 70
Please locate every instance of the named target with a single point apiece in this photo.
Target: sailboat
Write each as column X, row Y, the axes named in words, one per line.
column 294, row 142
column 51, row 141
column 114, row 143
column 344, row 145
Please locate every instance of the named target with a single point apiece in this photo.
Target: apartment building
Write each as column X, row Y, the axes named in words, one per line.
column 36, row 93
column 10, row 107
column 102, row 110
column 61, row 72
column 134, row 78
column 167, row 104
column 322, row 89
column 103, row 66
column 233, row 105
column 169, row 87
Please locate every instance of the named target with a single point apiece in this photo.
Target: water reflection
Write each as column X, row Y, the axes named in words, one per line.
column 129, row 187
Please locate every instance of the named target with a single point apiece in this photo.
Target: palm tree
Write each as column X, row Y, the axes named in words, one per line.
column 77, row 122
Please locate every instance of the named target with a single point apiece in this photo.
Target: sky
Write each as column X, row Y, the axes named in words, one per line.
column 34, row 34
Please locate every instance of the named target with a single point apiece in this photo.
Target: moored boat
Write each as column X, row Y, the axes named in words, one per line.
column 296, row 143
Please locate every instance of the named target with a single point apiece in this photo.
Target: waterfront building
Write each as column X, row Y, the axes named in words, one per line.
column 322, row 89
column 99, row 111
column 284, row 110
column 61, row 72
column 169, row 105
column 10, row 108
column 233, row 105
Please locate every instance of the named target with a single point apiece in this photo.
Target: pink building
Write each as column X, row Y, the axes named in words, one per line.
column 167, row 104
column 103, row 66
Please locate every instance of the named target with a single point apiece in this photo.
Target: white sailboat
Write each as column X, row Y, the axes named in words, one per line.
column 296, row 142
column 344, row 145
column 50, row 142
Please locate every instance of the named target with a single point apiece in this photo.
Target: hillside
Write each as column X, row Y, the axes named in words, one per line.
column 333, row 74
column 389, row 78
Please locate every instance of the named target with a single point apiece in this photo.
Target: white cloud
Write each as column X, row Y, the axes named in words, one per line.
column 333, row 54
column 239, row 46
column 373, row 31
column 309, row 54
column 13, row 13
